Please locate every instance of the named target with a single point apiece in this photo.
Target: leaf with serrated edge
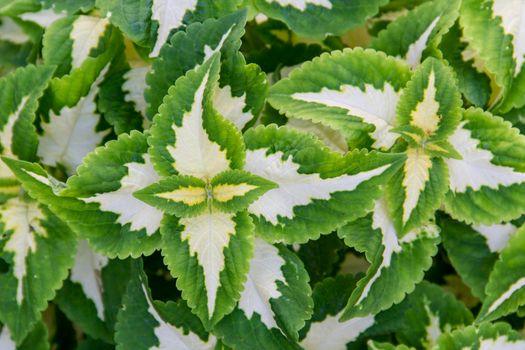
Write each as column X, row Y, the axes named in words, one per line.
column 485, row 336
column 69, row 136
column 86, row 34
column 334, row 90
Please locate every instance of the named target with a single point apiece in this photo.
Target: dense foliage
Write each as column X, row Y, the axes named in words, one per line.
column 262, row 174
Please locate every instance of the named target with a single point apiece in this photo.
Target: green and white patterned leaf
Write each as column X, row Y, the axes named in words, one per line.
column 188, row 137
column 318, row 190
column 92, row 295
column 149, row 23
column 200, row 42
column 39, row 249
column 417, row 190
column 325, row 330
column 473, row 250
column 397, row 264
column 209, row 254
column 275, row 301
column 485, row 337
column 487, row 186
column 427, row 313
column 338, row 90
column 19, row 95
column 411, row 34
column 69, row 6
column 106, row 182
column 429, row 109
column 72, row 133
column 493, row 33
column 373, row 345
column 144, row 324
column 506, row 286
column 319, row 18
column 36, row 339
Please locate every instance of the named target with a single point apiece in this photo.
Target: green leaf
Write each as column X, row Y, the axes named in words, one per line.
column 188, row 136
column 485, row 336
column 179, row 195
column 411, row 34
column 235, row 190
column 316, row 189
column 473, row 250
column 397, row 264
column 487, row 186
column 319, row 18
column 505, row 288
column 373, row 345
column 326, row 330
column 146, row 324
column 70, row 6
column 430, row 103
column 35, row 340
column 339, row 91
column 209, row 255
column 199, row 42
column 19, row 95
column 275, row 301
column 39, row 248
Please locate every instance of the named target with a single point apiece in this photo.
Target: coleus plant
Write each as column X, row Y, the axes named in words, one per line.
column 266, row 174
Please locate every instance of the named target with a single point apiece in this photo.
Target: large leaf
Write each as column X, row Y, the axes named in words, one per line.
column 319, row 18
column 19, row 94
column 506, row 285
column 341, row 92
column 318, row 190
column 397, row 264
column 36, row 339
column 145, row 324
column 39, row 249
column 410, row 35
column 486, row 336
column 275, row 300
column 209, row 254
column 487, row 185
column 199, row 42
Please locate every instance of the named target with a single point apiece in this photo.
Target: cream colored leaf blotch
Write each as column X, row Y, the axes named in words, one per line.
column 134, row 86
column 207, row 235
column 417, row 173
column 226, row 192
column 295, row 188
column 512, row 14
column 374, row 106
column 231, row 107
column 425, row 116
column 170, row 15
column 86, row 34
column 87, row 272
column 6, row 343
column 331, row 137
column 330, row 334
column 501, row 343
column 261, row 283
column 193, row 152
column 129, row 209
column 188, row 195
column 43, row 18
column 11, row 31
column 7, row 130
column 497, row 236
column 24, row 220
column 71, row 135
column 476, row 169
column 433, row 328
column 516, row 286
column 301, row 4
column 171, row 337
column 415, row 50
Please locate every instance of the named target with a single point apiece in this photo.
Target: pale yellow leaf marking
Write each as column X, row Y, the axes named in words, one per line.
column 425, row 115
column 190, row 195
column 226, row 192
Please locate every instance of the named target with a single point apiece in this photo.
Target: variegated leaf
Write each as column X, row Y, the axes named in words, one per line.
column 317, row 190
column 188, row 137
column 200, row 41
column 397, row 263
column 19, row 95
column 505, row 289
column 275, row 300
column 72, row 133
column 319, row 18
column 487, row 185
column 35, row 340
column 39, row 248
column 209, row 254
column 486, row 336
column 419, row 28
column 144, row 324
column 338, row 91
